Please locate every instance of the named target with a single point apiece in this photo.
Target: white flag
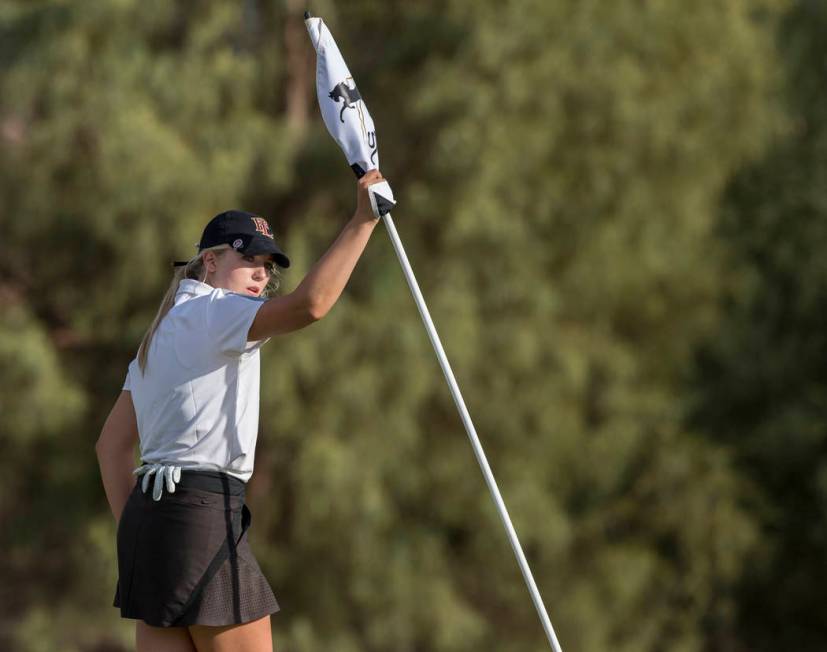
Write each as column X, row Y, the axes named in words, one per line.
column 345, row 114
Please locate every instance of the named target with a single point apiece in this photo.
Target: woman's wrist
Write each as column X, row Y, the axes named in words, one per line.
column 362, row 220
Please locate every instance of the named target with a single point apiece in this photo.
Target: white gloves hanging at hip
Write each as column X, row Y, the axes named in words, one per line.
column 163, row 472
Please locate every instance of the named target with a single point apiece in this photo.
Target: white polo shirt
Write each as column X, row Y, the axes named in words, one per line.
column 197, row 403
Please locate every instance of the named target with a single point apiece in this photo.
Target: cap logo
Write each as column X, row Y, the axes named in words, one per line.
column 262, row 226
column 237, row 243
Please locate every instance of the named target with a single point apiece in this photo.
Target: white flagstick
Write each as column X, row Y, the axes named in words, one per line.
column 472, row 433
column 357, row 138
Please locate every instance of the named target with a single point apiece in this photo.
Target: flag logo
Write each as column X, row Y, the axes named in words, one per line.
column 348, row 94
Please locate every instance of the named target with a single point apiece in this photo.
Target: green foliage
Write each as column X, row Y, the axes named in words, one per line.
column 560, row 167
column 39, row 397
column 764, row 386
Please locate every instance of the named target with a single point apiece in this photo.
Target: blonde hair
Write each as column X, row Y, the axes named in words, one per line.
column 194, row 269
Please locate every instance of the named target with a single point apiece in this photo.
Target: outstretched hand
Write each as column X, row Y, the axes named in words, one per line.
column 364, row 213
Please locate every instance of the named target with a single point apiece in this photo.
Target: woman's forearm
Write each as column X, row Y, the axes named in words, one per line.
column 327, row 279
column 116, row 467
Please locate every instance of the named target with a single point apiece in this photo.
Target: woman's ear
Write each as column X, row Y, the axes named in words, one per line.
column 209, row 262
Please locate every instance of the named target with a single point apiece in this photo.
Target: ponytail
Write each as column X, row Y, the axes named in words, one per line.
column 193, row 269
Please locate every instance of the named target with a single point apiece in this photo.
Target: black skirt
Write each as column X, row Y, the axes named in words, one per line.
column 186, row 559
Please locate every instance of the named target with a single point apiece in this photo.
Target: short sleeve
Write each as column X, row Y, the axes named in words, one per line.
column 229, row 317
column 127, row 383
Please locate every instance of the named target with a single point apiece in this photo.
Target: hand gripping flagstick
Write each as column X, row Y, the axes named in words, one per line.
column 350, row 124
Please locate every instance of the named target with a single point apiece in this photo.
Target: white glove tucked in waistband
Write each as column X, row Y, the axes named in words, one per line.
column 170, row 472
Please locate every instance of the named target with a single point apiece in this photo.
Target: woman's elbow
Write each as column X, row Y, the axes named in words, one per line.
column 317, row 306
column 317, row 309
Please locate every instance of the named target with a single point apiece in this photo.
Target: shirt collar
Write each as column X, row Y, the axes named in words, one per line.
column 191, row 287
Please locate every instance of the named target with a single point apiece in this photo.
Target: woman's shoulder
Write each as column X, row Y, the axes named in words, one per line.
column 208, row 322
column 190, row 289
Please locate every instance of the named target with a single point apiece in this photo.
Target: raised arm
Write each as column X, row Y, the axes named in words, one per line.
column 324, row 283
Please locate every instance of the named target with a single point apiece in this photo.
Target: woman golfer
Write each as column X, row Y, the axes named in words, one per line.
column 186, row 570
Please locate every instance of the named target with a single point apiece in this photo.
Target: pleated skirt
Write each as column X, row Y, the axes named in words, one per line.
column 186, row 559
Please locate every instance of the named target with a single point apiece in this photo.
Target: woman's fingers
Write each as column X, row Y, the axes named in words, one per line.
column 370, row 177
column 363, row 202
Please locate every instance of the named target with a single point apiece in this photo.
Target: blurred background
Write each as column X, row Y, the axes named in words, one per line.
column 616, row 212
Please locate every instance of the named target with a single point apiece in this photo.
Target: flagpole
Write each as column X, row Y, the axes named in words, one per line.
column 335, row 84
column 472, row 433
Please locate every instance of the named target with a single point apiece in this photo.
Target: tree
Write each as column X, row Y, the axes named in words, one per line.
column 761, row 381
column 559, row 166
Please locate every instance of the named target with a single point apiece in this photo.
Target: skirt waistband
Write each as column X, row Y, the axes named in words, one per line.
column 215, row 481
column 169, row 475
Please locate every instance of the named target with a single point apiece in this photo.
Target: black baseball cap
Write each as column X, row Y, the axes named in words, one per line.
column 247, row 233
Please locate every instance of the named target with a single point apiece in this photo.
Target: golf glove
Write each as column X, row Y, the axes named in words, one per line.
column 163, row 472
